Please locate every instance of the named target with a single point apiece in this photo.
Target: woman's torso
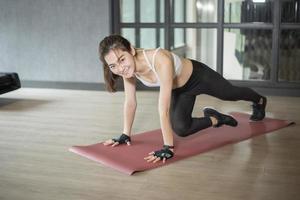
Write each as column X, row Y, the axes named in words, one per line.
column 182, row 68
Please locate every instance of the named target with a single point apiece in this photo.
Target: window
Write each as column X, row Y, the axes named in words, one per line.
column 290, row 11
column 242, row 11
column 247, row 40
column 127, row 11
column 244, row 40
column 142, row 22
column 247, row 54
column 289, row 44
column 146, row 24
column 198, row 44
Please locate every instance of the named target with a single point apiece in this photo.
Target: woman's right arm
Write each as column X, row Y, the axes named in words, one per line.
column 128, row 112
column 130, row 104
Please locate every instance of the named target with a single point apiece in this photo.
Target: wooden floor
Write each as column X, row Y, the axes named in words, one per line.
column 37, row 126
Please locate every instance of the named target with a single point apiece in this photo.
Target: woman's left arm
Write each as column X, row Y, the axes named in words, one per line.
column 165, row 74
column 164, row 69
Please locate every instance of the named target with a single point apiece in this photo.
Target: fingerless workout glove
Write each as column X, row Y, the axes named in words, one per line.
column 165, row 152
column 122, row 139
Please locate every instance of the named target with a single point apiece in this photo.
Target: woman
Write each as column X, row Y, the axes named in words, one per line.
column 180, row 80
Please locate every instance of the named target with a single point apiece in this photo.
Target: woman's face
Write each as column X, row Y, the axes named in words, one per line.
column 120, row 63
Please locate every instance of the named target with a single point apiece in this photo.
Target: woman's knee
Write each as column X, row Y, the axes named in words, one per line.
column 180, row 129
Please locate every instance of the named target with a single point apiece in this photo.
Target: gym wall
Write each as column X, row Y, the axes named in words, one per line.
column 53, row 42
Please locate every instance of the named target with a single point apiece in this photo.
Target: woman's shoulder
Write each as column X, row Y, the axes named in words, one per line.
column 158, row 52
column 158, row 55
column 152, row 50
column 164, row 53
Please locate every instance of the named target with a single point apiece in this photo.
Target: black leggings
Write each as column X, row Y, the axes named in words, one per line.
column 203, row 80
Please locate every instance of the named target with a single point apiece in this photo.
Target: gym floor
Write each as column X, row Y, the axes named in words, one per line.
column 37, row 126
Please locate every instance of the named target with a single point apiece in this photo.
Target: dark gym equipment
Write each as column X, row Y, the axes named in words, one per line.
column 9, row 82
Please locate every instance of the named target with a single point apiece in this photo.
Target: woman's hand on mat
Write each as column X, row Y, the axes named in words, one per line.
column 123, row 139
column 110, row 142
column 153, row 158
column 163, row 154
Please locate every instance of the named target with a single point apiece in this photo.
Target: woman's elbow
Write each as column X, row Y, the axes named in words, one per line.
column 164, row 112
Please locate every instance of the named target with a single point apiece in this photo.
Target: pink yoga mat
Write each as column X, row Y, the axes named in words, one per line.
column 130, row 159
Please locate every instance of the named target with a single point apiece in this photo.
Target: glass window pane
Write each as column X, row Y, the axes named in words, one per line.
column 162, row 38
column 148, row 10
column 247, row 54
column 195, row 11
column 148, row 38
column 198, row 44
column 129, row 34
column 127, row 8
column 178, row 10
column 245, row 11
column 290, row 11
column 179, row 37
column 289, row 58
column 162, row 11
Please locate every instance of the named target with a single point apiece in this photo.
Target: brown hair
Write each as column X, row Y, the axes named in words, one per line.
column 108, row 43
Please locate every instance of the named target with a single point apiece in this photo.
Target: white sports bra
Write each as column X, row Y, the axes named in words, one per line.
column 177, row 68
